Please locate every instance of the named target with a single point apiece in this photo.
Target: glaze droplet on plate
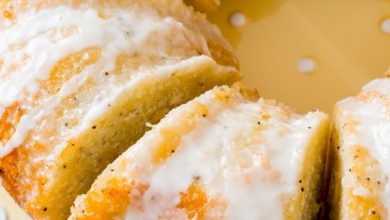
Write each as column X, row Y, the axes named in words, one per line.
column 306, row 65
column 385, row 26
column 237, row 19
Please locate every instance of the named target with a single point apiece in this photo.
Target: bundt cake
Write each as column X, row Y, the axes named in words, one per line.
column 360, row 153
column 224, row 155
column 80, row 78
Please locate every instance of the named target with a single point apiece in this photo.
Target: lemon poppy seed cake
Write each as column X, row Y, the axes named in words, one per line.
column 224, row 155
column 360, row 159
column 80, row 78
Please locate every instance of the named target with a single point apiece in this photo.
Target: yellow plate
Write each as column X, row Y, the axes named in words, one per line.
column 348, row 41
column 306, row 53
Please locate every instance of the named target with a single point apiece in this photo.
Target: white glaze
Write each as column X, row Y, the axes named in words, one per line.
column 372, row 115
column 128, row 31
column 306, row 65
column 361, row 191
column 254, row 169
column 237, row 19
column 3, row 215
column 385, row 26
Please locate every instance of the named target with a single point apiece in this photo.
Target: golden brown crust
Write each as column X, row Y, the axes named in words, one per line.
column 11, row 172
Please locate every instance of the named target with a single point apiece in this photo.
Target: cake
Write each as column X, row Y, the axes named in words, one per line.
column 224, row 155
column 80, row 78
column 359, row 155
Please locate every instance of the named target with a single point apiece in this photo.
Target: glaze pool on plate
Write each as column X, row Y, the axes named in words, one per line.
column 278, row 41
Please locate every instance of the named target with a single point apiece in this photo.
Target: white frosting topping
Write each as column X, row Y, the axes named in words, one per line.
column 36, row 41
column 253, row 168
column 361, row 191
column 372, row 115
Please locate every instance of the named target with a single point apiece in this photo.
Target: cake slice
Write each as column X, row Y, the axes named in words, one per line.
column 79, row 79
column 224, row 155
column 360, row 155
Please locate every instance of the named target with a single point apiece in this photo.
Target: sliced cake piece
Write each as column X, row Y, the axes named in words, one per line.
column 224, row 155
column 80, row 78
column 360, row 155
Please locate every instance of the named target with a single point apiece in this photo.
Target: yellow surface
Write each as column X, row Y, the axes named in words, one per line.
column 344, row 38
